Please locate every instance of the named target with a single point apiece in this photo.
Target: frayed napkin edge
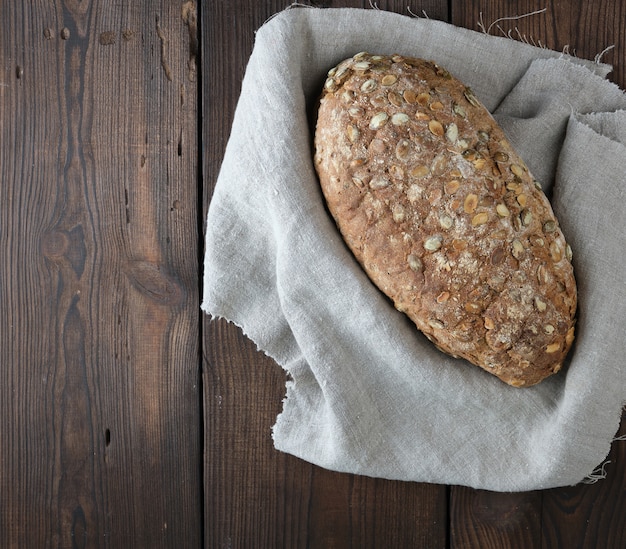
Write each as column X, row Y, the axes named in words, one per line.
column 602, row 69
column 600, row 472
column 594, row 475
column 213, row 315
column 583, row 119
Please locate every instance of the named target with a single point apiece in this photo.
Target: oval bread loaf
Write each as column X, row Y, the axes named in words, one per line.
column 444, row 216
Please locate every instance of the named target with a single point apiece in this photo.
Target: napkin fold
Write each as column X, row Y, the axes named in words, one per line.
column 366, row 392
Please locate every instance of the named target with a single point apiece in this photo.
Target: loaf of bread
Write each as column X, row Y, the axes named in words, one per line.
column 443, row 215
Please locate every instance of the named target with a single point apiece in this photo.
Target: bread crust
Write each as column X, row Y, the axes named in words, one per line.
column 444, row 216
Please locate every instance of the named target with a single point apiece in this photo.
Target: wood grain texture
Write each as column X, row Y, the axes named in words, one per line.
column 103, row 411
column 98, row 277
column 254, row 495
column 480, row 518
column 258, row 497
column 590, row 515
column 583, row 29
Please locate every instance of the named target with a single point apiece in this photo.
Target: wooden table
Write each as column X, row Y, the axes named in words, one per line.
column 128, row 419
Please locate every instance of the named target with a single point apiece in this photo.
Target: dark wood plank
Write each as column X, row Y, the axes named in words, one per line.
column 590, row 515
column 581, row 28
column 364, row 513
column 433, row 9
column 479, row 518
column 99, row 385
column 254, row 495
column 581, row 516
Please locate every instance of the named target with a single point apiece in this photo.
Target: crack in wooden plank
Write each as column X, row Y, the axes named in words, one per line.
column 190, row 18
column 164, row 43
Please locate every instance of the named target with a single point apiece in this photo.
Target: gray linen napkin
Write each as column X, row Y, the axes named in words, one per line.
column 367, row 393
